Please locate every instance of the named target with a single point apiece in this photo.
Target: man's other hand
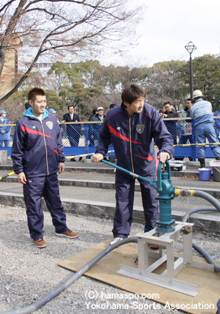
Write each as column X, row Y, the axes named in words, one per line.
column 61, row 167
column 22, row 178
column 97, row 157
column 163, row 156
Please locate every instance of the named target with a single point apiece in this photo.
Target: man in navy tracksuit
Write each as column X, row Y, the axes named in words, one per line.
column 133, row 128
column 38, row 155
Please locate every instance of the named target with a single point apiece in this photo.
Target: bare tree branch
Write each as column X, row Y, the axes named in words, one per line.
column 6, row 5
column 66, row 24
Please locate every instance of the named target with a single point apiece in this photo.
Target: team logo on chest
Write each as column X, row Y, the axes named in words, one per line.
column 49, row 124
column 140, row 128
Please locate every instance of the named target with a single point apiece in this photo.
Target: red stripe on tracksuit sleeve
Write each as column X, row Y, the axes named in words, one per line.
column 54, row 150
column 31, row 131
column 124, row 138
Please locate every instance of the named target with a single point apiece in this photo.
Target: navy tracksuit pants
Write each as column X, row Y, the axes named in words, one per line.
column 124, row 205
column 34, row 189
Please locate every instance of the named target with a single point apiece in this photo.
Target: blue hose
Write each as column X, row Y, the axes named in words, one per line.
column 196, row 210
column 214, row 202
column 206, row 255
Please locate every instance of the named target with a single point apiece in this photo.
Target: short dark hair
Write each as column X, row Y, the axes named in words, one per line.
column 167, row 103
column 34, row 92
column 132, row 92
column 112, row 106
column 70, row 106
column 189, row 99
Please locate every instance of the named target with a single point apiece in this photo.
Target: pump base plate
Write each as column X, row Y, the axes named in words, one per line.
column 106, row 271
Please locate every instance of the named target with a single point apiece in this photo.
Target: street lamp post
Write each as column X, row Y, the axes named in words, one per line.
column 190, row 47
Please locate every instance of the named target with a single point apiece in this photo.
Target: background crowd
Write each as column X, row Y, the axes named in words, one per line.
column 181, row 130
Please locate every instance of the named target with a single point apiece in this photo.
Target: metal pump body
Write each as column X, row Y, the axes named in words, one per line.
column 166, row 194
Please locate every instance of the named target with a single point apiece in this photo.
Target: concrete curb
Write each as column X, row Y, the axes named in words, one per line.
column 111, row 185
column 107, row 210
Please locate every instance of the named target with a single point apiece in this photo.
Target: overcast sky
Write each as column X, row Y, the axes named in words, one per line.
column 167, row 26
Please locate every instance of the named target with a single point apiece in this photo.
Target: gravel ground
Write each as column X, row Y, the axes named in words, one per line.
column 28, row 273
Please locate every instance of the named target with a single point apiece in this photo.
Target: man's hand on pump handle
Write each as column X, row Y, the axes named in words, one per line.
column 163, row 156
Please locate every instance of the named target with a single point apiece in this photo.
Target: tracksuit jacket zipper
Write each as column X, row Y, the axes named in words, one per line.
column 45, row 149
column 132, row 163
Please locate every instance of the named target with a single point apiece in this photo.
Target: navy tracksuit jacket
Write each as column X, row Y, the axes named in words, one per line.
column 133, row 138
column 37, row 149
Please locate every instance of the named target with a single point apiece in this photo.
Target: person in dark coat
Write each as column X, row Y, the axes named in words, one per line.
column 91, row 128
column 171, row 124
column 37, row 155
column 187, row 124
column 133, row 128
column 73, row 130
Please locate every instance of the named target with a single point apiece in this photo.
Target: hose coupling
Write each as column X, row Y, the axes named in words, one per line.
column 182, row 192
column 186, row 229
